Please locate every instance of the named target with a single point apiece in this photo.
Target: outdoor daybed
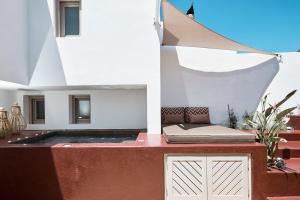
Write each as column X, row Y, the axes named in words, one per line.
column 192, row 125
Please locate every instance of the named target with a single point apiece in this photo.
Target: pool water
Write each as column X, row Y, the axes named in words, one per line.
column 63, row 137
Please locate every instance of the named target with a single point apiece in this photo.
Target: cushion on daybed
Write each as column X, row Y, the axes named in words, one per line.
column 201, row 133
column 172, row 115
column 197, row 115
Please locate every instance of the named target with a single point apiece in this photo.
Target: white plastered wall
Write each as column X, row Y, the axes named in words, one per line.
column 110, row 109
column 13, row 41
column 113, row 48
column 7, row 98
column 287, row 80
column 123, row 48
column 216, row 78
column 118, row 45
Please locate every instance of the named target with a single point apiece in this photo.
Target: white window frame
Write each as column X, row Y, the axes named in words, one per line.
column 61, row 5
column 32, row 109
column 75, row 109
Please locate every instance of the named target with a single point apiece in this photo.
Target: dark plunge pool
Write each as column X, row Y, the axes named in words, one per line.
column 57, row 137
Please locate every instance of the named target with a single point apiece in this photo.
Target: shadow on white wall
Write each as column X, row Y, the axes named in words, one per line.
column 242, row 89
column 45, row 65
column 13, row 41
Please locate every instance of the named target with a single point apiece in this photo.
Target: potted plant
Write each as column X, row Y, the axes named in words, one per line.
column 232, row 119
column 246, row 117
column 268, row 122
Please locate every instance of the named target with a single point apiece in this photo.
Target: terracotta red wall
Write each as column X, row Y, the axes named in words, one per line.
column 93, row 172
column 295, row 122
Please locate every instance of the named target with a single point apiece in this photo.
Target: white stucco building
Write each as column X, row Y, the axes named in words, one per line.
column 110, row 53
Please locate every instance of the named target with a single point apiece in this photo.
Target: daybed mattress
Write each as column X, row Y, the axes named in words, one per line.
column 195, row 133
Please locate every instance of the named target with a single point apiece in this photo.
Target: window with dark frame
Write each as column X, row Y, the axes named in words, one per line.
column 68, row 17
column 36, row 109
column 81, row 109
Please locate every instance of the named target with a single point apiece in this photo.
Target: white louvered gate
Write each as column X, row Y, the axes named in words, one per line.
column 207, row 177
column 186, row 178
column 228, row 177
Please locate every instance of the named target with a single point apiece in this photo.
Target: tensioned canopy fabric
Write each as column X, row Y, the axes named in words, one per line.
column 181, row 30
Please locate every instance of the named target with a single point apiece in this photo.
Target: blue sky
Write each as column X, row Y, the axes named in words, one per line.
column 271, row 25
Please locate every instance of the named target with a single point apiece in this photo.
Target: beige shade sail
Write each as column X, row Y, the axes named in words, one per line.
column 181, row 30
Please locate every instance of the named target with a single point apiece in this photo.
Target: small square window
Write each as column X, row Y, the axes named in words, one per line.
column 81, row 109
column 36, row 109
column 69, row 18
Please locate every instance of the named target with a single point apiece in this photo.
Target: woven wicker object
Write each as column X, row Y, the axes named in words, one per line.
column 4, row 123
column 16, row 119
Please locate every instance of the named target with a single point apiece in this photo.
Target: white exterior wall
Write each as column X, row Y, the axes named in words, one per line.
column 7, row 98
column 287, row 80
column 110, row 109
column 118, row 45
column 215, row 78
column 13, row 41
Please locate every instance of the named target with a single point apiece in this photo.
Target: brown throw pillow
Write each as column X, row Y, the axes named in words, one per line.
column 199, row 119
column 172, row 115
column 197, row 115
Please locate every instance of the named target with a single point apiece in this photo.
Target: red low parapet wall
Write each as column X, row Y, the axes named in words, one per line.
column 113, row 172
column 295, row 122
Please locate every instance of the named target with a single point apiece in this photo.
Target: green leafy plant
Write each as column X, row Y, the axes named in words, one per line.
column 268, row 122
column 232, row 119
column 246, row 117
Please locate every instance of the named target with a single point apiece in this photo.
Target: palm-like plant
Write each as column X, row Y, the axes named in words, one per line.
column 268, row 122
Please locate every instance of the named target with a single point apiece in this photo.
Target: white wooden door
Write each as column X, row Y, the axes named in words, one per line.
column 185, row 178
column 228, row 178
column 207, row 177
